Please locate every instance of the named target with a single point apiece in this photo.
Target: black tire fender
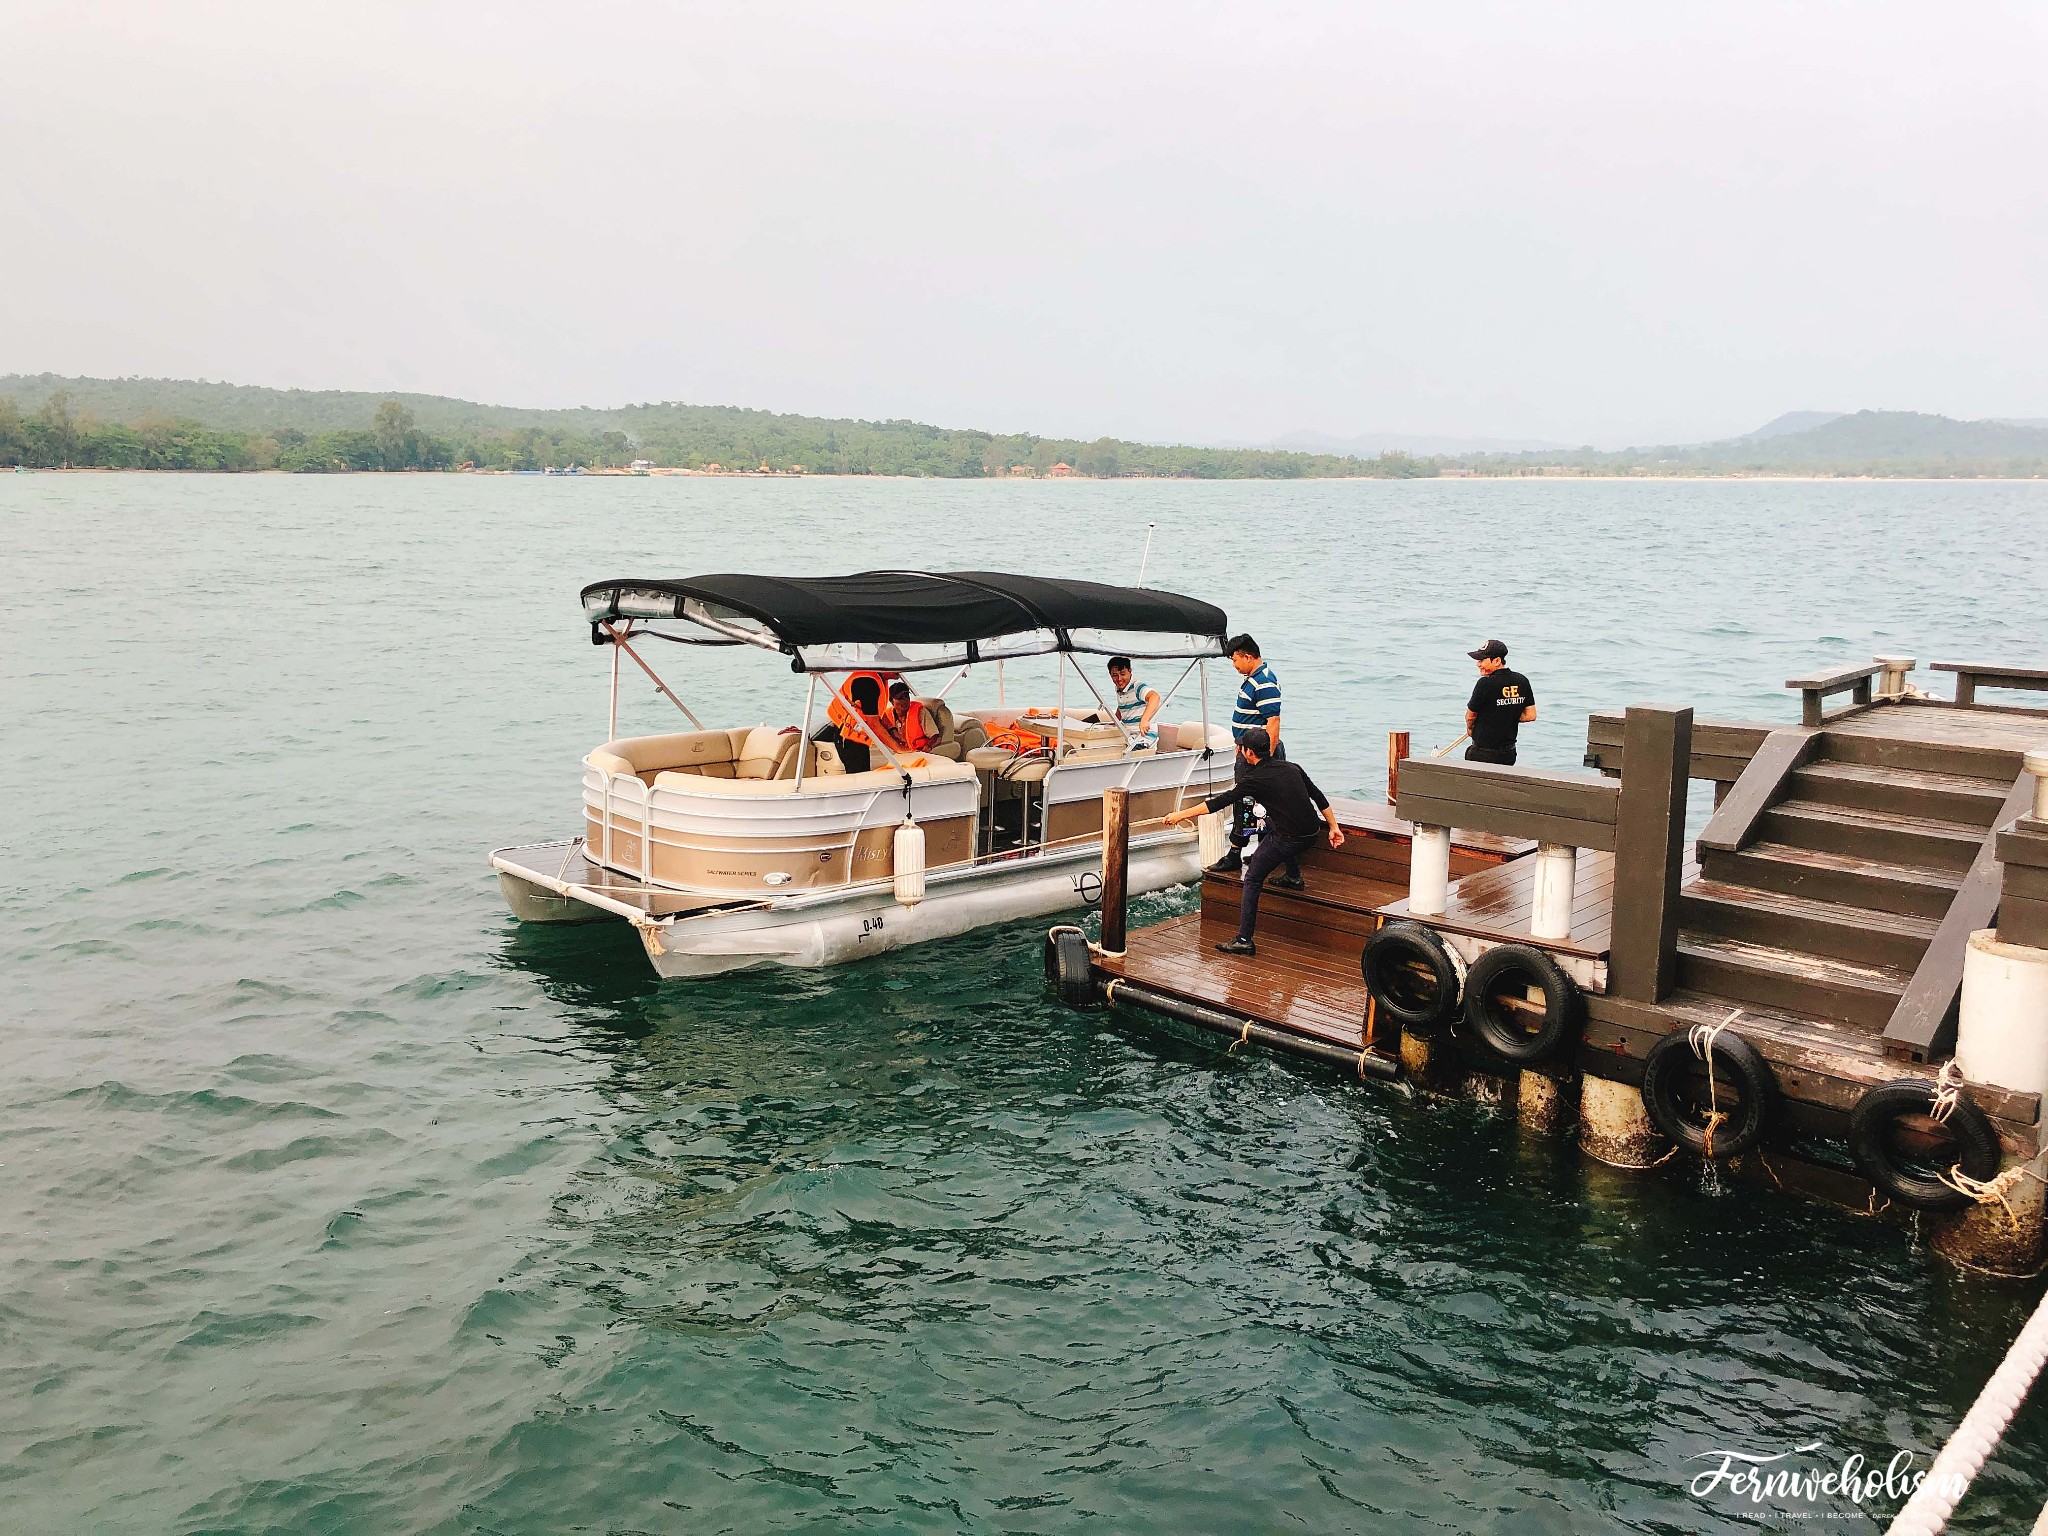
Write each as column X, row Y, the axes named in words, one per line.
column 1070, row 967
column 1910, row 1180
column 1667, row 1078
column 1413, row 976
column 1521, row 966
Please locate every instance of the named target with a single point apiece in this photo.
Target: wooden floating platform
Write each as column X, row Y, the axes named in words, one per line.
column 1827, row 906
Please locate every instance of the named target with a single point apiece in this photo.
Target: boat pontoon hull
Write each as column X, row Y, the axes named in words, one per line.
column 553, row 883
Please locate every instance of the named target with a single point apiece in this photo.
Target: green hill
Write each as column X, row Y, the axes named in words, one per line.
column 333, row 429
column 1892, row 443
column 1878, row 437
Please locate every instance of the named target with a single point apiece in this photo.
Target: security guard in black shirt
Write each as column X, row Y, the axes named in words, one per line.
column 1502, row 702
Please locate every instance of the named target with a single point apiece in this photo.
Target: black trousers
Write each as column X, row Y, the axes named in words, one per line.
column 1241, row 823
column 1273, row 851
column 1490, row 755
column 857, row 756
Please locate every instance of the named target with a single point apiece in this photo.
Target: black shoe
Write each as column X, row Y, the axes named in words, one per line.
column 1288, row 883
column 1229, row 864
column 1238, row 947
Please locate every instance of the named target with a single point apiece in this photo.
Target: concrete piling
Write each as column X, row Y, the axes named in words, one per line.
column 1545, row 1103
column 1990, row 1237
column 1614, row 1127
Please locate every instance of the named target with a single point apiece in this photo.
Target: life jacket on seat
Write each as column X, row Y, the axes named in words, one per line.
column 868, row 713
column 1018, row 738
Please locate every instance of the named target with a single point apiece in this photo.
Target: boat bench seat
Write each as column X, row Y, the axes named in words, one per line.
column 748, row 753
column 927, row 771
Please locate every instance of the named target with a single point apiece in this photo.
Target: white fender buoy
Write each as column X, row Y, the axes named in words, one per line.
column 909, row 863
column 1213, row 828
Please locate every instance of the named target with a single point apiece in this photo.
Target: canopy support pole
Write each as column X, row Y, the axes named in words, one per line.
column 803, row 740
column 612, row 728
column 1108, row 709
column 1166, row 698
column 951, row 681
column 1204, row 665
column 668, row 693
column 1000, row 702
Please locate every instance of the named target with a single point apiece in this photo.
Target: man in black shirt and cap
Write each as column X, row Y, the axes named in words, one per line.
column 1501, row 703
column 1296, row 814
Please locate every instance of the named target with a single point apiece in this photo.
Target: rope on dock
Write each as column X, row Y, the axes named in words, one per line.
column 1702, row 1037
column 1948, row 1091
column 1978, row 1435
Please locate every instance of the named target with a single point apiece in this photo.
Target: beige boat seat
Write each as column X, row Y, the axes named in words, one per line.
column 763, row 752
column 1188, row 737
column 932, row 771
column 1169, row 737
column 710, row 753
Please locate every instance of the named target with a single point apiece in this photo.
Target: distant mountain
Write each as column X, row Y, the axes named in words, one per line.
column 1790, row 422
column 1372, row 445
column 1893, row 437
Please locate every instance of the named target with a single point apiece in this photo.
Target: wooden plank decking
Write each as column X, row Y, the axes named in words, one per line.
column 1291, row 984
column 1497, row 904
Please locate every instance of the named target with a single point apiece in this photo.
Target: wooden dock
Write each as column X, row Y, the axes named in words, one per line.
column 1305, row 978
column 1823, row 915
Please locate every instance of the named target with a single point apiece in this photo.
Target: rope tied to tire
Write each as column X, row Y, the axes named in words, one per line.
column 1984, row 1191
column 1948, row 1090
column 1701, row 1038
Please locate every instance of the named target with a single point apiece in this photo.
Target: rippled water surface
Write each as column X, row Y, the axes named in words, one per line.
column 333, row 1201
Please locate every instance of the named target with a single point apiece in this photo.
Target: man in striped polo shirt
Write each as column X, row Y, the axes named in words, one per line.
column 1257, row 711
column 1136, row 704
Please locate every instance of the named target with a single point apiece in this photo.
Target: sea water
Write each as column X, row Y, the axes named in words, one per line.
column 335, row 1201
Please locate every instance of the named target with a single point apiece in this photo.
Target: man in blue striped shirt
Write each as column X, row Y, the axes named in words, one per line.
column 1257, row 712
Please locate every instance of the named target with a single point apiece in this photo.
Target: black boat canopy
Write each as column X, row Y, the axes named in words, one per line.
column 944, row 618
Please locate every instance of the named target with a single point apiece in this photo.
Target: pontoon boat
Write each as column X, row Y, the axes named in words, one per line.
column 729, row 847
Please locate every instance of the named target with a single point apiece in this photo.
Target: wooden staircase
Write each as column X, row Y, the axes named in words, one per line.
column 1824, row 881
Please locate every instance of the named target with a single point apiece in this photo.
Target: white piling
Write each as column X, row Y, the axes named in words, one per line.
column 1891, row 683
column 1429, row 871
column 2002, row 1022
column 1557, row 868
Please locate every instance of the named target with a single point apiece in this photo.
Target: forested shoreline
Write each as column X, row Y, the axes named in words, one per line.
column 59, row 433
column 51, row 422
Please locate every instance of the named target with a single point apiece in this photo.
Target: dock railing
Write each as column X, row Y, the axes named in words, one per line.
column 1972, row 675
column 2023, row 856
column 1640, row 820
column 1815, row 691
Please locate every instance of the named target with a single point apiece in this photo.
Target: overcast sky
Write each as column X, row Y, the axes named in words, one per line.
column 1606, row 223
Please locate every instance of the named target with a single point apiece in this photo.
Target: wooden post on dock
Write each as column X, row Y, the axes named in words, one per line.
column 1116, row 856
column 1397, row 748
column 1649, row 853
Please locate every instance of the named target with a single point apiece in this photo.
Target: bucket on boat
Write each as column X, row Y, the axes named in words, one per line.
column 909, row 863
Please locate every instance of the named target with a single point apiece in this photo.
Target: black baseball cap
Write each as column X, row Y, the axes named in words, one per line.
column 1489, row 651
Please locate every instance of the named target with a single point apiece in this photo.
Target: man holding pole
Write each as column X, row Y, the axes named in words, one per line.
column 1296, row 812
column 1501, row 704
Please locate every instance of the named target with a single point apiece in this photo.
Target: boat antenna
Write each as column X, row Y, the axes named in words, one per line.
column 1150, row 529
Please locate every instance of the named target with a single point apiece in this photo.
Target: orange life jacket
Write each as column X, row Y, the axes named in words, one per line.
column 853, row 725
column 1016, row 738
column 918, row 727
